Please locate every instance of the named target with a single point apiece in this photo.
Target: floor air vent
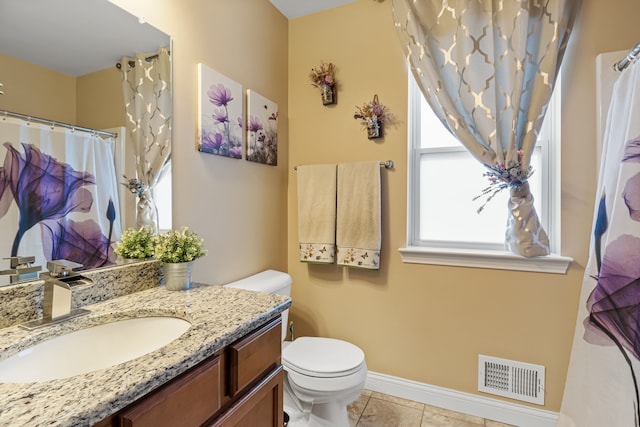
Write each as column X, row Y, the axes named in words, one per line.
column 508, row 378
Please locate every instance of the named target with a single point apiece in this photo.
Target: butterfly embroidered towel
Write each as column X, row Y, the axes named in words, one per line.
column 358, row 229
column 317, row 213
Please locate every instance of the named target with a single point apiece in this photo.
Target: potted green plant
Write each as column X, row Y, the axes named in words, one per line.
column 177, row 250
column 136, row 243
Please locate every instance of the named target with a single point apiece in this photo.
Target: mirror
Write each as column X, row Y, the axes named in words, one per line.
column 83, row 40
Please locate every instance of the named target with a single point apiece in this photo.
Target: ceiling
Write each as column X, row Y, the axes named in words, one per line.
column 296, row 8
column 93, row 37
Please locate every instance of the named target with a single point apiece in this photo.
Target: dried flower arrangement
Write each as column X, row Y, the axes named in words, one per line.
column 324, row 75
column 373, row 110
column 135, row 186
column 502, row 176
column 372, row 115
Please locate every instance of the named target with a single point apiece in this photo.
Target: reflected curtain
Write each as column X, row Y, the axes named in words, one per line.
column 146, row 83
column 487, row 69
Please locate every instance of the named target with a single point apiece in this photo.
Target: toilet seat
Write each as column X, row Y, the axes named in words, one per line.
column 322, row 357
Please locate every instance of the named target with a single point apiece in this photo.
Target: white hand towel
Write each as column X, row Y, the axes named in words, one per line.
column 317, row 213
column 358, row 229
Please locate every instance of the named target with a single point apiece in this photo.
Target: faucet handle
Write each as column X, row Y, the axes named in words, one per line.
column 61, row 267
column 20, row 261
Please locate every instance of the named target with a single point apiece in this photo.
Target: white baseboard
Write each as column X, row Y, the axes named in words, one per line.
column 480, row 406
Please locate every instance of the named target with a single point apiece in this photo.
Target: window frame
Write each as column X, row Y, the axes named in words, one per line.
column 471, row 254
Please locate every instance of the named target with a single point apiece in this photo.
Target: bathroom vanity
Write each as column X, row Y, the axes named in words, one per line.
column 239, row 385
column 223, row 371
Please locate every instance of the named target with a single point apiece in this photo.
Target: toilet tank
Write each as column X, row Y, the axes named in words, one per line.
column 269, row 281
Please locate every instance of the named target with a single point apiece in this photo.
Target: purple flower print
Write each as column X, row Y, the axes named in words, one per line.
column 211, row 142
column 631, row 196
column 239, row 124
column 43, row 188
column 111, row 217
column 235, row 152
column 5, row 195
column 254, row 124
column 614, row 303
column 632, row 151
column 81, row 242
column 220, row 116
column 219, row 95
column 600, row 227
column 262, row 139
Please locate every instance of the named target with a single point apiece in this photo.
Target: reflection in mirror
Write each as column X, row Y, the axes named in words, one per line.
column 58, row 60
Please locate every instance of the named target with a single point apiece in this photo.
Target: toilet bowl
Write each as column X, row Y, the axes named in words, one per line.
column 322, row 375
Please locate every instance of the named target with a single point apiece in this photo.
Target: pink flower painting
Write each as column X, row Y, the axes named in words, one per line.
column 262, row 129
column 220, row 111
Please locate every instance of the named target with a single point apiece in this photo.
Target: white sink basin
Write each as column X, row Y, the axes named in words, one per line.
column 91, row 349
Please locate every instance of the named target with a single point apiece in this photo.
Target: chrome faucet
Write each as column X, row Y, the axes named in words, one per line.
column 58, row 283
column 57, row 300
column 21, row 268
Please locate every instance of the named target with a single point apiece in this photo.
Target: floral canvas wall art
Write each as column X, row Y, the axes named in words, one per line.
column 220, row 114
column 262, row 129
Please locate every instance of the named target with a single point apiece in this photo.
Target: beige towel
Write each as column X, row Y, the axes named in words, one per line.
column 358, row 220
column 317, row 213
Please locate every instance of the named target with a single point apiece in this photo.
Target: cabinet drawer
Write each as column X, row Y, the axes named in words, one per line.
column 251, row 356
column 187, row 401
column 262, row 406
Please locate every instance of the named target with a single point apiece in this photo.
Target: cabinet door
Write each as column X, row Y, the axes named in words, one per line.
column 253, row 356
column 261, row 407
column 189, row 400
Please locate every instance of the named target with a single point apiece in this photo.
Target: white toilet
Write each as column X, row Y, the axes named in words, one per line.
column 322, row 375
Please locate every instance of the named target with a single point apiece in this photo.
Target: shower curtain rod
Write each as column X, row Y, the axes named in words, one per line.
column 387, row 164
column 132, row 63
column 627, row 60
column 4, row 113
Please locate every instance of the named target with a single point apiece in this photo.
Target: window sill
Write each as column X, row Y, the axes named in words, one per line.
column 499, row 260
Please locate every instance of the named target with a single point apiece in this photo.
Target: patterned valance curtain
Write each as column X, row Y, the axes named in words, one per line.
column 487, row 69
column 148, row 102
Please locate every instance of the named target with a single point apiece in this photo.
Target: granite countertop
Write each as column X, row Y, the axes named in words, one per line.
column 218, row 316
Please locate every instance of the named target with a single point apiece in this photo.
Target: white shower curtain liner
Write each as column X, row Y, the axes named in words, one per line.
column 601, row 387
column 85, row 153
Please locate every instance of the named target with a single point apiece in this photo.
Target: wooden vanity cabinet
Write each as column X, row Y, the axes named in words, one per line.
column 241, row 385
column 262, row 406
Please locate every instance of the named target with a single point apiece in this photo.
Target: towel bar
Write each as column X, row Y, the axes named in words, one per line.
column 387, row 164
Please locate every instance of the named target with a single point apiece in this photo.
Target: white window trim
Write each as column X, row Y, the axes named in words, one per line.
column 486, row 258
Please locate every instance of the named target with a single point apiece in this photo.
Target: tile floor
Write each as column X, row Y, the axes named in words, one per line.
column 374, row 409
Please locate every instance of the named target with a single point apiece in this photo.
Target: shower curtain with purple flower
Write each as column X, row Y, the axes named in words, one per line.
column 58, row 194
column 602, row 381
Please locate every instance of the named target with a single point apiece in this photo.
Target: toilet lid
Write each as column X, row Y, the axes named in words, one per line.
column 322, row 357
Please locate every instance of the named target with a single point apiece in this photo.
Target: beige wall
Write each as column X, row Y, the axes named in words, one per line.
column 100, row 100
column 93, row 100
column 238, row 207
column 429, row 323
column 36, row 91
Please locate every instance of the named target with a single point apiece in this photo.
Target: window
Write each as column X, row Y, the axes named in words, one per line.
column 443, row 224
